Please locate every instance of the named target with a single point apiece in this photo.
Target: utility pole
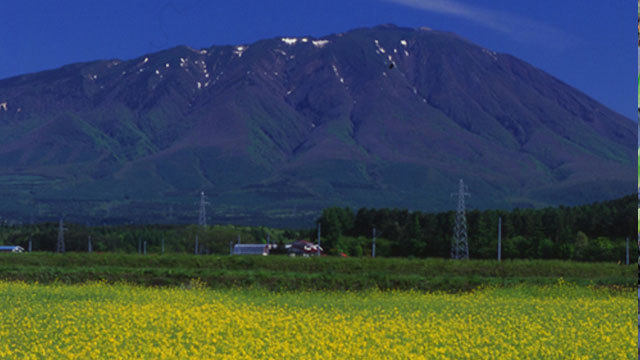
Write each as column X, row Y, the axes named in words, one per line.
column 162, row 246
column 145, row 247
column 319, row 232
column 499, row 238
column 373, row 244
column 89, row 247
column 30, row 228
column 460, row 245
column 60, row 245
column 627, row 262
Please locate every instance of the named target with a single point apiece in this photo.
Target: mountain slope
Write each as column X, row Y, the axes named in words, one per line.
column 276, row 130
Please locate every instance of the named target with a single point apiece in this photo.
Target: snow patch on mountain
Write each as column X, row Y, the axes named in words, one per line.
column 492, row 54
column 320, row 43
column 289, row 41
column 335, row 71
column 239, row 50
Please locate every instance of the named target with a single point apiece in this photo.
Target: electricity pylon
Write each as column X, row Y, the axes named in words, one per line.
column 460, row 245
column 202, row 218
column 60, row 244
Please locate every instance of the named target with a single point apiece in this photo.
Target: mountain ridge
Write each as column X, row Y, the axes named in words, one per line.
column 277, row 129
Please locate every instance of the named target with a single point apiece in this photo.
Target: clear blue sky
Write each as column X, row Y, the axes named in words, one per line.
column 589, row 44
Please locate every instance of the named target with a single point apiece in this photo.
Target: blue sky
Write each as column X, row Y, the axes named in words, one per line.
column 589, row 44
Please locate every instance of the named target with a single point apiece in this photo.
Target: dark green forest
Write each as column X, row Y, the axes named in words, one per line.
column 595, row 232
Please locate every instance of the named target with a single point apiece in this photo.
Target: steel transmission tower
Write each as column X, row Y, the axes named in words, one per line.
column 202, row 218
column 60, row 245
column 460, row 245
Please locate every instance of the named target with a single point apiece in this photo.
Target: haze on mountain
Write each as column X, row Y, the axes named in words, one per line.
column 275, row 131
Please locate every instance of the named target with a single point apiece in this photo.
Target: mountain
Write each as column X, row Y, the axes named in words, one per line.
column 276, row 130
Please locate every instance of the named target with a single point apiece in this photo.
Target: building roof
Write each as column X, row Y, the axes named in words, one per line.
column 14, row 248
column 305, row 247
column 251, row 249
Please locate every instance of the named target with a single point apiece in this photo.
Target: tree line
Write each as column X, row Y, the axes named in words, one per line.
column 155, row 239
column 595, row 232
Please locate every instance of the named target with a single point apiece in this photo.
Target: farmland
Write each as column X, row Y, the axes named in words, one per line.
column 97, row 320
column 280, row 273
column 179, row 306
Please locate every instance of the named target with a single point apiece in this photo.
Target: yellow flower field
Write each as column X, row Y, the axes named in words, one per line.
column 101, row 321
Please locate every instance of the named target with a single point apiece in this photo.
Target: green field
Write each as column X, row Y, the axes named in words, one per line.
column 321, row 273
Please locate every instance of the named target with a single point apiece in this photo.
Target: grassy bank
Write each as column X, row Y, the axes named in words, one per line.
column 324, row 273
